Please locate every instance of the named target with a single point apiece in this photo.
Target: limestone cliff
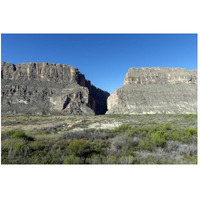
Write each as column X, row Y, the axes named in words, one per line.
column 153, row 90
column 46, row 88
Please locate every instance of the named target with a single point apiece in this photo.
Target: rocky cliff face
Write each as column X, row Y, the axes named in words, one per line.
column 46, row 88
column 156, row 90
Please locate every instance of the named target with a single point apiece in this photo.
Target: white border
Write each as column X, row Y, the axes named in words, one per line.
column 101, row 181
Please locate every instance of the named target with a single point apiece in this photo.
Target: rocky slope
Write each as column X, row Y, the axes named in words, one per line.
column 156, row 90
column 46, row 88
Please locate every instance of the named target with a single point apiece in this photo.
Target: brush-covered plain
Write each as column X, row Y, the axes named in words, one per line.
column 102, row 139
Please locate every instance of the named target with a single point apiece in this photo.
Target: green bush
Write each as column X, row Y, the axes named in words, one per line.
column 191, row 131
column 94, row 159
column 190, row 159
column 146, row 144
column 159, row 138
column 36, row 146
column 111, row 160
column 150, row 160
column 72, row 159
column 123, row 129
column 190, row 116
column 127, row 160
column 98, row 147
column 144, row 131
column 16, row 134
column 183, row 136
column 77, row 147
column 175, row 135
column 147, row 131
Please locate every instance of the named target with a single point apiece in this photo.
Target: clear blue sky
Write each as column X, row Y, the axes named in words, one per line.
column 103, row 58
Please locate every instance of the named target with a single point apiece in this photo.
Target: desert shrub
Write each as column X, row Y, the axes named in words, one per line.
column 153, row 122
column 111, row 150
column 43, row 157
column 111, row 160
column 36, row 146
column 16, row 134
column 147, row 131
column 118, row 141
column 14, row 148
column 98, row 147
column 142, row 131
column 60, row 144
column 161, row 127
column 127, row 151
column 184, row 136
column 127, row 160
column 166, row 161
column 133, row 141
column 86, row 134
column 159, row 138
column 188, row 159
column 173, row 153
column 43, row 131
column 180, row 148
column 154, row 160
column 19, row 147
column 191, row 131
column 175, row 135
column 189, row 116
column 167, row 127
column 72, row 159
column 173, row 145
column 110, row 133
column 77, row 147
column 10, row 142
column 146, row 144
column 150, row 160
column 94, row 159
column 90, row 152
column 123, row 129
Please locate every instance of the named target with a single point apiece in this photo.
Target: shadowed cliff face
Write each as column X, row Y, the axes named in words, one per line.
column 46, row 88
column 154, row 90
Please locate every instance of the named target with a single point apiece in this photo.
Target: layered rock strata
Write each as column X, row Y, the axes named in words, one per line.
column 156, row 90
column 46, row 88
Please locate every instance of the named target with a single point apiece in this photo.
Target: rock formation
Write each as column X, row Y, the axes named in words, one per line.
column 152, row 90
column 46, row 88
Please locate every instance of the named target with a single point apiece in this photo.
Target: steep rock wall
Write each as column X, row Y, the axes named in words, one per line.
column 156, row 90
column 46, row 88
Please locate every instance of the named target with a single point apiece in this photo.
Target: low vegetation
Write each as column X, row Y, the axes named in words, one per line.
column 154, row 139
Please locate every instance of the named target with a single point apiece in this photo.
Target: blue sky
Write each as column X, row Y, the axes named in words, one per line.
column 103, row 58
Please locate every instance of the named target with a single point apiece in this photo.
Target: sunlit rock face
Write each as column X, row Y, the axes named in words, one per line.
column 46, row 88
column 156, row 90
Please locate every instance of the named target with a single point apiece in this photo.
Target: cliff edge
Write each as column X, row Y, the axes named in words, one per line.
column 47, row 88
column 156, row 90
